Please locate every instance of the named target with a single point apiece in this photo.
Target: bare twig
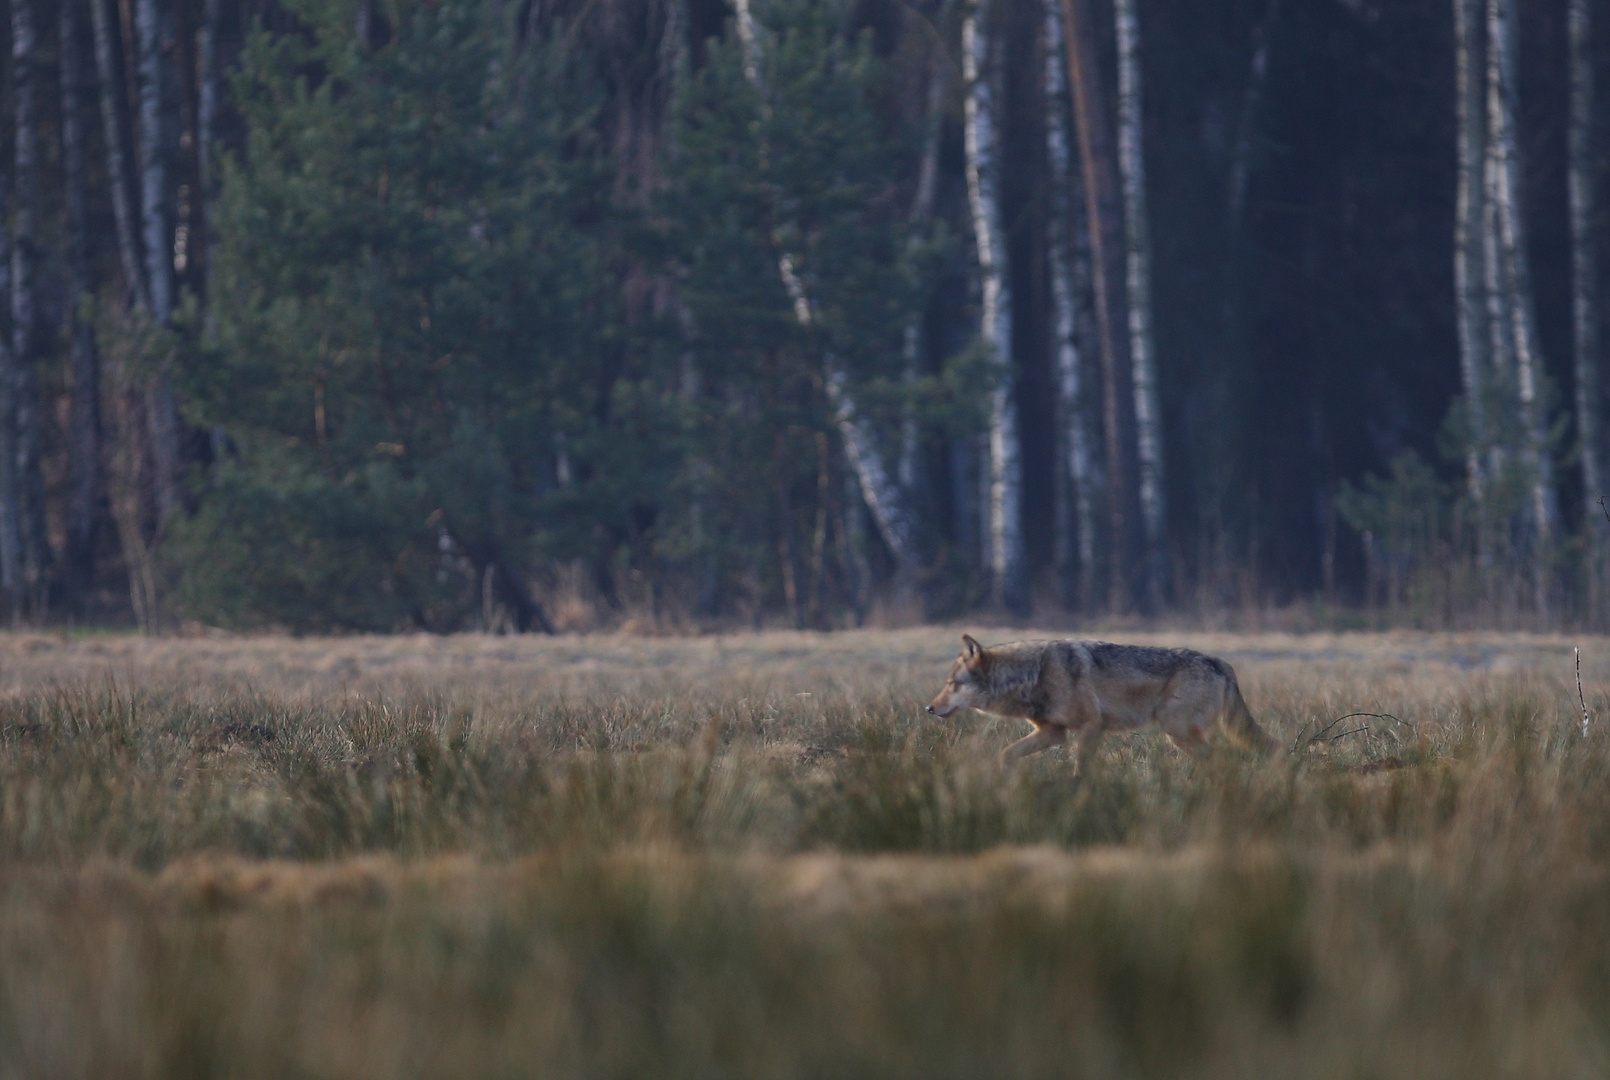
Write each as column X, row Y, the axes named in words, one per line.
column 1320, row 735
column 1581, row 698
column 1298, row 741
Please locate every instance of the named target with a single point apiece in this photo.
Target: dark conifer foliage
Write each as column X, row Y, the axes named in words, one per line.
column 454, row 314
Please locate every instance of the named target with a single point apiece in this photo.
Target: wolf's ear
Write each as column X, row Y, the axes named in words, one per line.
column 972, row 651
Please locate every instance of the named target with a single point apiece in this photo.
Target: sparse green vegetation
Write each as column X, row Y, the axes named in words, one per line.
column 756, row 857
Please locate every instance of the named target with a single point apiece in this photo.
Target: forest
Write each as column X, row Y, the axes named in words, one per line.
column 534, row 315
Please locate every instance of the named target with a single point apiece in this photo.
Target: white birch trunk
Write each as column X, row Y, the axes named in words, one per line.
column 1469, row 234
column 1500, row 341
column 1138, row 279
column 878, row 487
column 153, row 26
column 1075, row 437
column 1584, row 286
column 1501, row 86
column 1005, row 466
column 922, row 205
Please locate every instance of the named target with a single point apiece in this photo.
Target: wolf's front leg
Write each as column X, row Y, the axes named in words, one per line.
column 1044, row 738
column 1089, row 739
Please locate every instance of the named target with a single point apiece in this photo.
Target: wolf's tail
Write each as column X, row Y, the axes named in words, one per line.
column 1238, row 721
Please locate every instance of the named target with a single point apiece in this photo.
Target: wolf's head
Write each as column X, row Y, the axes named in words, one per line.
column 965, row 687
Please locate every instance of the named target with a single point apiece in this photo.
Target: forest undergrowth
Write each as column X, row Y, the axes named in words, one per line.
column 755, row 856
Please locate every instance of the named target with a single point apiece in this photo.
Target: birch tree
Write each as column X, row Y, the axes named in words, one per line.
column 1104, row 215
column 1517, row 289
column 878, row 485
column 983, row 168
column 1138, row 282
column 11, row 561
column 922, row 208
column 1469, row 239
column 1584, row 288
column 1075, row 440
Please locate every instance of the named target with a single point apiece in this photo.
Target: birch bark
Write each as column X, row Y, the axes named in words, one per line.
column 154, row 27
column 1511, row 243
column 1469, row 232
column 1075, row 438
column 878, row 487
column 1005, row 464
column 1138, row 281
column 1104, row 214
column 11, row 576
column 1584, row 288
column 922, row 206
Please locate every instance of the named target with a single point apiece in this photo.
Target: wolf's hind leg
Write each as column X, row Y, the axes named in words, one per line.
column 1044, row 738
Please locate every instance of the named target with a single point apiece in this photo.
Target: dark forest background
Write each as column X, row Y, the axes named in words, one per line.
column 538, row 314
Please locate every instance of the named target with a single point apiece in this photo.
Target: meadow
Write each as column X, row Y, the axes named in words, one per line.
column 755, row 856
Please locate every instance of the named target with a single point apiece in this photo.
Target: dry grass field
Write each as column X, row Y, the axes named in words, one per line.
column 756, row 857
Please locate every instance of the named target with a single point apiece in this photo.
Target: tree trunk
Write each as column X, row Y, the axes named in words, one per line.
column 878, row 487
column 1501, row 85
column 84, row 498
column 787, row 546
column 1005, row 453
column 116, row 124
column 209, row 91
column 1241, row 157
column 28, row 340
column 1469, row 225
column 922, row 208
column 219, row 45
column 1584, row 290
column 11, row 568
column 1138, row 280
column 1104, row 213
column 1079, row 524
column 154, row 27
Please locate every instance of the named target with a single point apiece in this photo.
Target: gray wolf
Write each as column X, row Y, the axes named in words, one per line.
column 1088, row 688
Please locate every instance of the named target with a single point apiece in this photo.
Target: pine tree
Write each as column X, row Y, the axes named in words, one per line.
column 409, row 323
